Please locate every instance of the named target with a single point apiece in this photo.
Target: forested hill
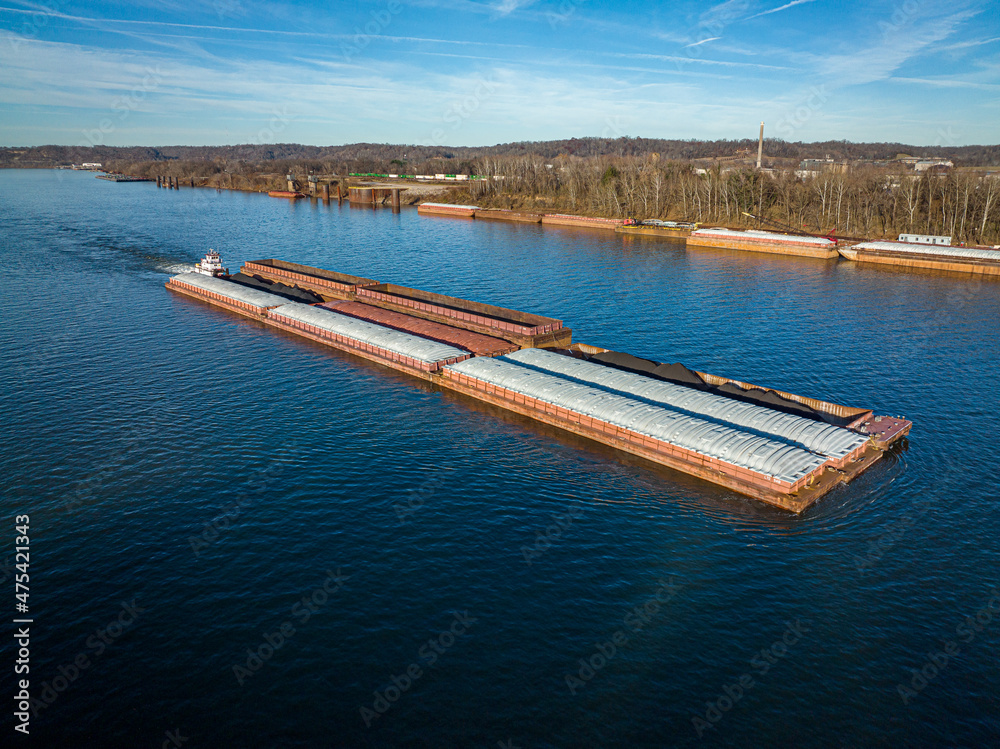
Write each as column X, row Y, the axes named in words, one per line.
column 366, row 157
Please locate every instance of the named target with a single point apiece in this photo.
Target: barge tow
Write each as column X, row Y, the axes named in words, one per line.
column 782, row 449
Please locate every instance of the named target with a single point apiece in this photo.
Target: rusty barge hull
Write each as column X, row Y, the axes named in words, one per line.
column 771, row 248
column 327, row 283
column 563, row 219
column 657, row 232
column 447, row 209
column 791, row 495
column 499, row 214
column 522, row 328
column 664, row 454
column 905, row 260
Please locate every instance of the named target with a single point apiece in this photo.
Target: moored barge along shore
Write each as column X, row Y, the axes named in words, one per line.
column 764, row 241
column 726, row 432
column 976, row 260
column 983, row 261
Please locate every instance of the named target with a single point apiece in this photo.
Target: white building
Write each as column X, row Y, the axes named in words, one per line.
column 924, row 239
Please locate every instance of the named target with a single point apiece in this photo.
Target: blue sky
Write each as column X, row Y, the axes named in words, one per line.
column 458, row 72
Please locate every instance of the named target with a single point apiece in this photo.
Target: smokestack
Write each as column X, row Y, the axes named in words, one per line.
column 760, row 147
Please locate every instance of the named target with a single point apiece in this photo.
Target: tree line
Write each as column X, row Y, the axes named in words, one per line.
column 417, row 159
column 865, row 202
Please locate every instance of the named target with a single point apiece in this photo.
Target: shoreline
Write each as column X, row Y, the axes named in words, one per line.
column 447, row 194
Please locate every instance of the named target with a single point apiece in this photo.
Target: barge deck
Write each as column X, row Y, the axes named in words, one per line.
column 978, row 261
column 764, row 241
column 784, row 459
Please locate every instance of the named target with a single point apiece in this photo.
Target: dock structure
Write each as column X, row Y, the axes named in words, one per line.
column 980, row 261
column 375, row 194
column 123, row 178
column 783, row 449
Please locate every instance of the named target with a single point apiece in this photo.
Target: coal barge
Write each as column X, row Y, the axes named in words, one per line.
column 783, row 449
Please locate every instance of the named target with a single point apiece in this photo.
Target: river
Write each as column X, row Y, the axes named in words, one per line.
column 240, row 538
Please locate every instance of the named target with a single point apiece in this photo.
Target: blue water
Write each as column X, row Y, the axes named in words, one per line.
column 190, row 476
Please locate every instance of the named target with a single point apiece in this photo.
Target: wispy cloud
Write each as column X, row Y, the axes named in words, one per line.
column 724, row 13
column 49, row 13
column 967, row 45
column 877, row 61
column 948, row 83
column 703, row 41
column 231, row 69
column 506, row 7
column 786, row 6
column 696, row 60
column 232, row 102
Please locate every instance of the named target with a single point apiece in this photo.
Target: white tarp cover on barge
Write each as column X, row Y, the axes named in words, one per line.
column 762, row 236
column 825, row 439
column 972, row 253
column 764, row 455
column 230, row 290
column 404, row 344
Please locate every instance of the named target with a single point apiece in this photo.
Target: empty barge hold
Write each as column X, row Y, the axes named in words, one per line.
column 522, row 328
column 787, row 460
column 476, row 343
column 447, row 209
column 975, row 260
column 327, row 283
column 763, row 241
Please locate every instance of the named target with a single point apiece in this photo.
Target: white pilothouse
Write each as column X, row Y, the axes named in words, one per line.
column 211, row 265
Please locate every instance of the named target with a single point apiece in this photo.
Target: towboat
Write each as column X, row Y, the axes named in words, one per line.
column 211, row 265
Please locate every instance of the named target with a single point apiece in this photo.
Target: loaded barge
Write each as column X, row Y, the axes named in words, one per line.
column 764, row 241
column 783, row 449
column 978, row 260
column 524, row 217
column 669, row 230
